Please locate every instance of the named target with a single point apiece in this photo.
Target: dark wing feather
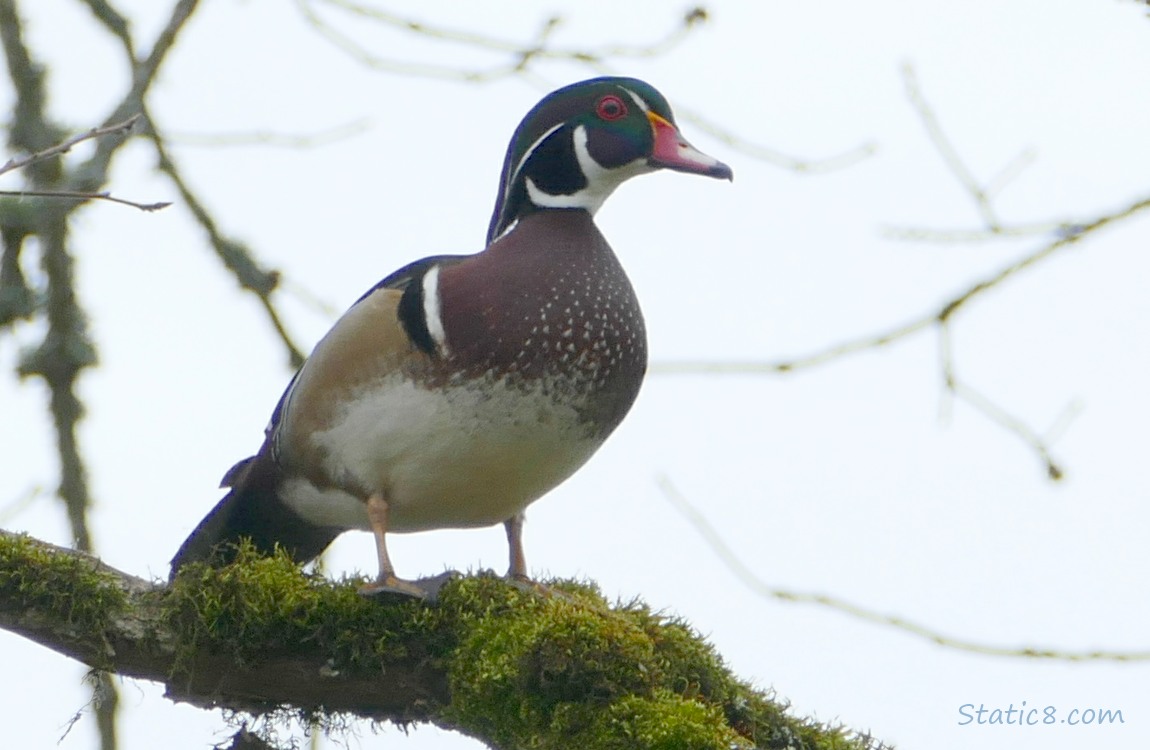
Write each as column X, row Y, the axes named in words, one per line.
column 253, row 510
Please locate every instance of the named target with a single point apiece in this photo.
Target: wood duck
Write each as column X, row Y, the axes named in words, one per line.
column 461, row 388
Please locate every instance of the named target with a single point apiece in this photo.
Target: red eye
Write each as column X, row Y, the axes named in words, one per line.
column 610, row 107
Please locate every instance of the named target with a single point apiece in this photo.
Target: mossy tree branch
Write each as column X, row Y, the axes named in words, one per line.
column 512, row 668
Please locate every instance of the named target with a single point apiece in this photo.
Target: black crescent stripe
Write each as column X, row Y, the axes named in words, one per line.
column 412, row 315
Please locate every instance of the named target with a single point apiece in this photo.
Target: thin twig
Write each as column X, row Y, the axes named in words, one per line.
column 981, row 234
column 517, row 49
column 431, row 31
column 946, row 149
column 116, row 24
column 271, row 138
column 236, row 257
column 524, row 54
column 149, row 67
column 989, row 408
column 979, row 193
column 67, row 349
column 936, row 318
column 84, row 196
column 1062, row 422
column 822, row 165
column 144, row 72
column 1010, row 172
column 521, row 53
column 309, row 298
column 752, row 581
column 119, row 128
column 814, row 359
column 20, row 503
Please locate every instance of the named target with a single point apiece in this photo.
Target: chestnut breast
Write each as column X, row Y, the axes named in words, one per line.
column 548, row 304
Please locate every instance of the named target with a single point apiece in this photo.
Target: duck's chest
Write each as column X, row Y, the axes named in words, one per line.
column 532, row 355
column 556, row 313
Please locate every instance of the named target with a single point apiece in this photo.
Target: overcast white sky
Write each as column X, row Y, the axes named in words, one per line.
column 854, row 479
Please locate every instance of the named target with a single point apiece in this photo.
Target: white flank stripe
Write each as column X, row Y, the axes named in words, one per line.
column 431, row 310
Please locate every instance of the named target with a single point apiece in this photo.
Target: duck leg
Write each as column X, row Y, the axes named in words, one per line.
column 518, row 568
column 386, row 582
column 517, row 572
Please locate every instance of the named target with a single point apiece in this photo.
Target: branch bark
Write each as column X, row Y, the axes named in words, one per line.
column 511, row 667
column 130, row 633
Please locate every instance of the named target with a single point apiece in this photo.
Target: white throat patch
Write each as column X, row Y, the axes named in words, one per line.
column 601, row 182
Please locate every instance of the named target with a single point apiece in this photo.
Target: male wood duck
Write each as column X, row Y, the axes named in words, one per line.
column 461, row 388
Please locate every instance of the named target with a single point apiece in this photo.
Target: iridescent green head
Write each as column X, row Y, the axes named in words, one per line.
column 582, row 141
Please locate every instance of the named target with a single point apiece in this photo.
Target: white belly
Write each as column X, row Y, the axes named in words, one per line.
column 456, row 457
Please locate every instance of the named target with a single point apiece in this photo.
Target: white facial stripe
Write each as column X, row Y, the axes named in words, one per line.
column 601, row 182
column 527, row 155
column 638, row 99
column 431, row 310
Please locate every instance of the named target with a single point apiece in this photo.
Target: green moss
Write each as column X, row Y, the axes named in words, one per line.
column 261, row 606
column 35, row 578
column 568, row 670
column 664, row 722
column 526, row 669
column 534, row 661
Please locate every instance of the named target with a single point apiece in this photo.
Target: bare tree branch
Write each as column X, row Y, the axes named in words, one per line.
column 939, row 318
column 271, row 138
column 942, row 144
column 761, row 588
column 996, row 413
column 506, row 665
column 1014, row 231
column 17, row 505
column 66, row 349
column 526, row 54
column 143, row 73
column 119, row 128
column 821, row 165
column 237, row 258
column 521, row 54
column 82, row 197
column 112, row 20
column 981, row 194
column 235, row 255
column 1064, row 234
